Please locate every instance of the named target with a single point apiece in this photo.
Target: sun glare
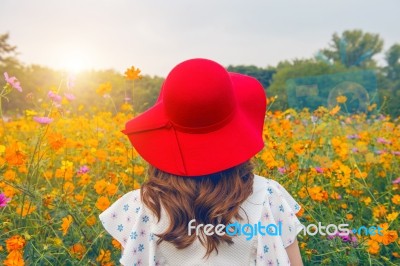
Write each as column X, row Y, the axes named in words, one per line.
column 75, row 61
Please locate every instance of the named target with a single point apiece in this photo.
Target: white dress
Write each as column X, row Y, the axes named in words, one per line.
column 134, row 226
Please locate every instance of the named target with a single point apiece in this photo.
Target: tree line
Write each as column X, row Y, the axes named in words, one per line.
column 351, row 51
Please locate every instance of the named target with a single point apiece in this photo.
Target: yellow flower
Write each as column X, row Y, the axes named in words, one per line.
column 104, row 88
column 104, row 256
column 30, row 112
column 66, row 223
column 132, row 73
column 341, row 99
column 367, row 200
column 392, row 216
column 66, row 165
column 379, row 211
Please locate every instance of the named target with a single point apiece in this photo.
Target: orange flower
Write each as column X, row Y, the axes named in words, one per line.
column 349, row 216
column 132, row 73
column 47, row 201
column 56, row 140
column 9, row 175
column 66, row 223
column 112, row 189
column 68, row 187
column 373, row 247
column 16, row 242
column 27, row 209
column 14, row 154
column 335, row 110
column 14, row 258
column 78, row 250
column 91, row 220
column 116, row 244
column 102, row 203
column 396, row 199
column 317, row 193
column 300, row 212
column 104, row 256
column 101, row 186
column 138, row 170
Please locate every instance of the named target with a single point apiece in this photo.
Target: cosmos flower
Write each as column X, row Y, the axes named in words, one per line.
column 13, row 82
column 43, row 120
column 3, row 200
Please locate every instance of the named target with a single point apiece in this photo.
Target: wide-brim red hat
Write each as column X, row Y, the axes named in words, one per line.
column 205, row 120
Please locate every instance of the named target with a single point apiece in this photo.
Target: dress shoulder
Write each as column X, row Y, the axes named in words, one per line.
column 278, row 215
column 129, row 222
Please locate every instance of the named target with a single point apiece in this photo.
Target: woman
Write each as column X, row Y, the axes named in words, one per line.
column 201, row 203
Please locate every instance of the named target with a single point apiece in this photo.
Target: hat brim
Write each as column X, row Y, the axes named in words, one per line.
column 184, row 153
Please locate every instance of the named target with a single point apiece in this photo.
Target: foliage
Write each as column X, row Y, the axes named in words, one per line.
column 354, row 48
column 263, row 75
column 295, row 69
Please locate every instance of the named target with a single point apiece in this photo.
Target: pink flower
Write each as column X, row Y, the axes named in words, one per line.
column 354, row 136
column 282, row 170
column 55, row 97
column 397, row 153
column 383, row 141
column 69, row 96
column 319, row 169
column 83, row 170
column 3, row 200
column 43, row 120
column 396, row 181
column 13, row 82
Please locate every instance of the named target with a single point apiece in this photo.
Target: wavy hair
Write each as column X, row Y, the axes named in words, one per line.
column 210, row 199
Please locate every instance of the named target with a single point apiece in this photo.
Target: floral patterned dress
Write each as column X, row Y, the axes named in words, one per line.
column 134, row 226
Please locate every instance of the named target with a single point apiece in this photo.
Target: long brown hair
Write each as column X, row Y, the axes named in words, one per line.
column 210, row 199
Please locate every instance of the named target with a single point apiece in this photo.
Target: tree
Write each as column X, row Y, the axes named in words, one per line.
column 7, row 51
column 263, row 75
column 354, row 48
column 392, row 58
column 287, row 70
column 390, row 80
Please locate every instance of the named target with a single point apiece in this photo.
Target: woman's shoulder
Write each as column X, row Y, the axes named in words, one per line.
column 264, row 183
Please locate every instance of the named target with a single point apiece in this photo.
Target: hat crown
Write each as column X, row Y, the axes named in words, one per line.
column 198, row 93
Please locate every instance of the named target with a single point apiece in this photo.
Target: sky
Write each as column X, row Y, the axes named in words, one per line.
column 155, row 35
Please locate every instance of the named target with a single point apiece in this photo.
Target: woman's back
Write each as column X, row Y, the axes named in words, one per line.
column 133, row 224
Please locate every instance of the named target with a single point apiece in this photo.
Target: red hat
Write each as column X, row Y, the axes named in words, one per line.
column 205, row 120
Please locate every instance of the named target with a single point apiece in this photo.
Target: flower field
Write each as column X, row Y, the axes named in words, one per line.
column 63, row 164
